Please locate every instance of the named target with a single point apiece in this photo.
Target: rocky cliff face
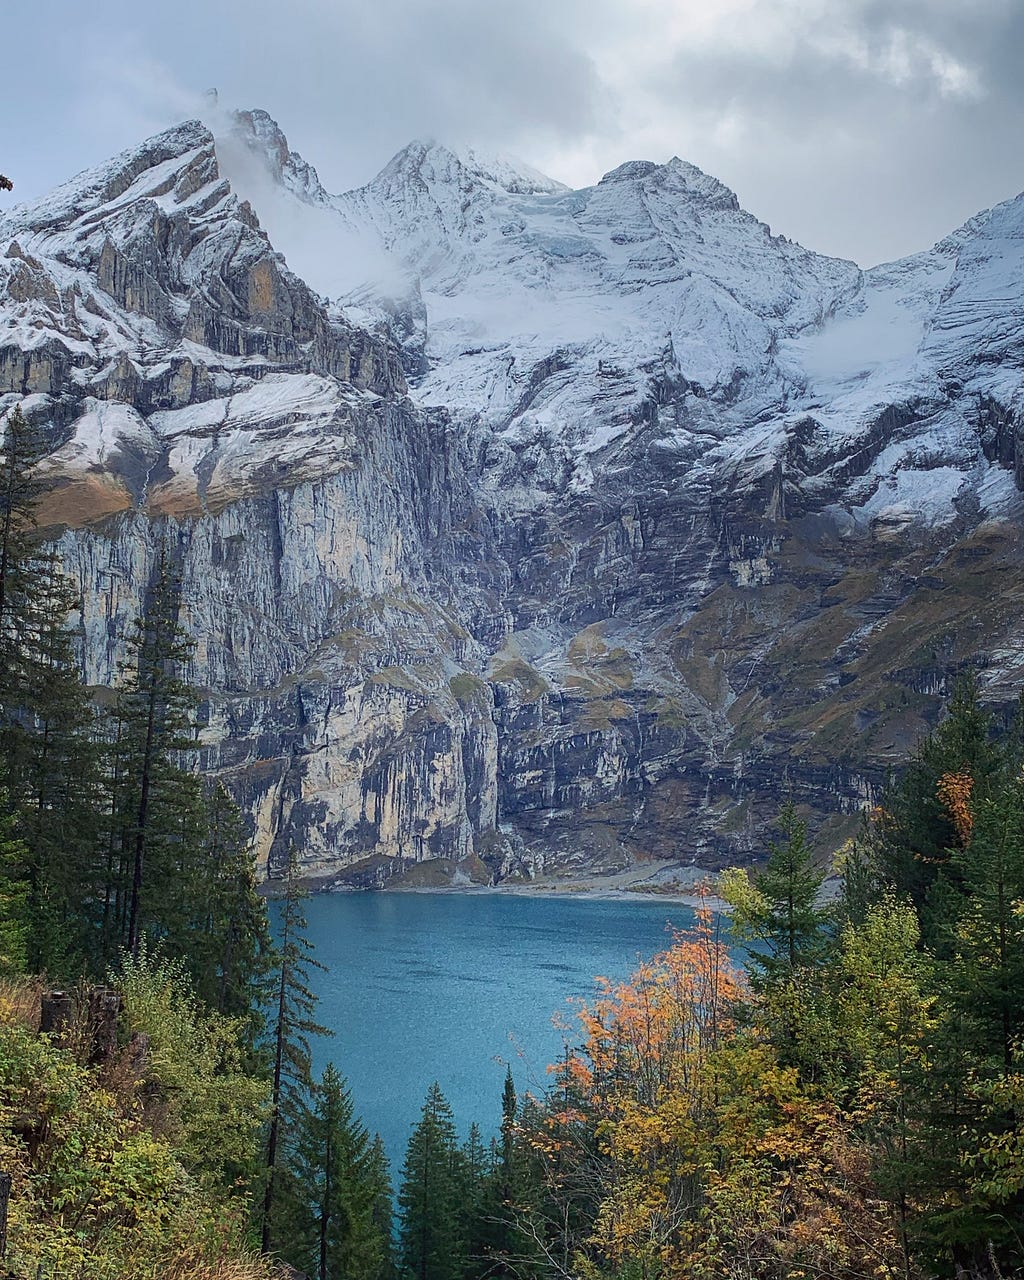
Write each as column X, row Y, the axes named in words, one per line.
column 572, row 532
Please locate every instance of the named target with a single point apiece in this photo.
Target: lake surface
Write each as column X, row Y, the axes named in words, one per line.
column 453, row 987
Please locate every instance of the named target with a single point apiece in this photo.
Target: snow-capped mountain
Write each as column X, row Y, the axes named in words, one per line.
column 556, row 318
column 522, row 523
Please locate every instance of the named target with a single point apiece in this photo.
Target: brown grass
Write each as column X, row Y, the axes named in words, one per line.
column 20, row 1000
column 190, row 1265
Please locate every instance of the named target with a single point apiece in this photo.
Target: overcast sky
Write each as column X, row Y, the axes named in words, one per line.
column 863, row 128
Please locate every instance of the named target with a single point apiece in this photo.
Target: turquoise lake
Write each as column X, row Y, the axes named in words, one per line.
column 453, row 987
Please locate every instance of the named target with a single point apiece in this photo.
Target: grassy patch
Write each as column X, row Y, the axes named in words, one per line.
column 530, row 682
column 469, row 690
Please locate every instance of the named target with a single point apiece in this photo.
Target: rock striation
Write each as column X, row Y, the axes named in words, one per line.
column 524, row 528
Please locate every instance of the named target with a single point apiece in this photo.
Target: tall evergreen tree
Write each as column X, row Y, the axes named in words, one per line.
column 777, row 910
column 777, row 914
column 431, row 1242
column 58, row 780
column 976, row 1067
column 46, row 721
column 379, row 1176
column 290, row 1023
column 20, row 490
column 233, row 948
column 15, row 920
column 476, row 1206
column 152, row 799
column 916, row 833
column 335, row 1225
column 988, row 971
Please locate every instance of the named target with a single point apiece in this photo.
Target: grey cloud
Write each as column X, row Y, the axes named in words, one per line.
column 852, row 160
column 352, row 87
column 867, row 152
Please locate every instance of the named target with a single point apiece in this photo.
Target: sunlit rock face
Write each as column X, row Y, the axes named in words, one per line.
column 524, row 528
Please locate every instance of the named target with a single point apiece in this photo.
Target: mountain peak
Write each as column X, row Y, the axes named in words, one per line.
column 190, row 143
column 697, row 185
column 258, row 134
column 510, row 173
column 426, row 159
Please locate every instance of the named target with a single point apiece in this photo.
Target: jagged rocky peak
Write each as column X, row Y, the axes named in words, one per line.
column 262, row 138
column 677, row 176
column 175, row 162
column 142, row 305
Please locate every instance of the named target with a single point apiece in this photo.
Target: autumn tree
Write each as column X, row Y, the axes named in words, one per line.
column 886, row 1011
column 615, row 1134
column 712, row 1157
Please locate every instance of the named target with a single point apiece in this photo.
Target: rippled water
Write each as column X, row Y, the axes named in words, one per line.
column 452, row 987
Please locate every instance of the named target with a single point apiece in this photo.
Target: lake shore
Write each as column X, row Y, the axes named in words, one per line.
column 653, row 882
column 566, row 890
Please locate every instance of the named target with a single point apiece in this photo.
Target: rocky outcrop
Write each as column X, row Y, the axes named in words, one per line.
column 614, row 519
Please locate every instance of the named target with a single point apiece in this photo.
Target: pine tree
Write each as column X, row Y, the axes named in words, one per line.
column 431, row 1243
column 15, row 921
column 233, row 949
column 154, row 803
column 476, row 1206
column 776, row 913
column 20, row 489
column 46, row 722
column 58, row 774
column 335, row 1228
column 379, row 1177
column 777, row 909
column 290, row 1023
column 916, row 833
column 977, row 1057
column 860, row 886
column 988, row 972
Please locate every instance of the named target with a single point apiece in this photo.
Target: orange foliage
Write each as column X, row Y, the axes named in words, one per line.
column 655, row 1030
column 954, row 792
column 698, row 1154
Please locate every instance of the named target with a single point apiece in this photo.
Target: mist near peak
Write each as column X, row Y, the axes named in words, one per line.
column 333, row 256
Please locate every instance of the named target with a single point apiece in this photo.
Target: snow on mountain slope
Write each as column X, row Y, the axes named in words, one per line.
column 148, row 280
column 557, row 313
column 562, row 322
column 572, row 523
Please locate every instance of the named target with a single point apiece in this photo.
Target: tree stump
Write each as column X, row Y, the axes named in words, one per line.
column 104, row 1011
column 58, row 1014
